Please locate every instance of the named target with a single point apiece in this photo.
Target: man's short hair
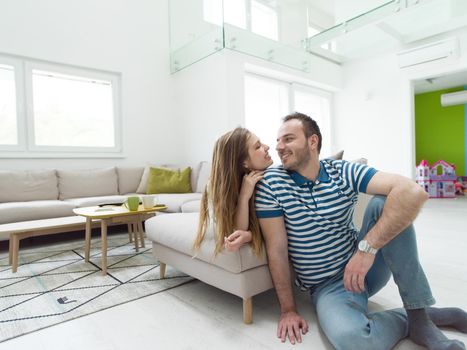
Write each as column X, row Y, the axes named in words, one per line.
column 310, row 127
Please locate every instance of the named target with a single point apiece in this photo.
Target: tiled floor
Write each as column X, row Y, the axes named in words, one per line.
column 197, row 316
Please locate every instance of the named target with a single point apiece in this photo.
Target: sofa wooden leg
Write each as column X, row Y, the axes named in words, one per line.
column 248, row 311
column 161, row 269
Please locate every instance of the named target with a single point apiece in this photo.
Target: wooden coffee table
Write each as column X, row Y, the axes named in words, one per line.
column 114, row 215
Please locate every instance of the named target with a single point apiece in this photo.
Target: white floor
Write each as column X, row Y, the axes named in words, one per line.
column 197, row 316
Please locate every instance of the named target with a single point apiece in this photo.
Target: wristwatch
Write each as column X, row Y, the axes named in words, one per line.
column 364, row 246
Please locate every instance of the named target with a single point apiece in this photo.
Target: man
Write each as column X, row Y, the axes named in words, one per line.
column 305, row 210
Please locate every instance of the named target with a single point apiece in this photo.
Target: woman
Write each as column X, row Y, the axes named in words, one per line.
column 238, row 161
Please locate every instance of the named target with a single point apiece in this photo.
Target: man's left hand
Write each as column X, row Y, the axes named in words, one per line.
column 356, row 270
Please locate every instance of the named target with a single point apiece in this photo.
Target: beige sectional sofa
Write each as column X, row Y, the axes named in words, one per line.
column 42, row 194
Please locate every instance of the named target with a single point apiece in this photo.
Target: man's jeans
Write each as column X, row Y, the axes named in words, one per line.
column 344, row 315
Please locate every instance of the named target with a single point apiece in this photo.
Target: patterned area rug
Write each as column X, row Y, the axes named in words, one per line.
column 54, row 283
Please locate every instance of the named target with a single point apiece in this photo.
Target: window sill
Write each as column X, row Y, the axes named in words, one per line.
column 45, row 155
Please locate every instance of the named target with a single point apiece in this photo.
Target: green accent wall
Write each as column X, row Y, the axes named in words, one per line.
column 440, row 131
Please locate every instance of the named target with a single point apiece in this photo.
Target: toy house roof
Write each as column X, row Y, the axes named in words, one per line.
column 443, row 164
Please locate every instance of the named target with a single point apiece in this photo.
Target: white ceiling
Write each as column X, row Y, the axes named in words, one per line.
column 441, row 82
column 428, row 19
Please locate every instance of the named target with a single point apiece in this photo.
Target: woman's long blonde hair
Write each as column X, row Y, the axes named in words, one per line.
column 222, row 191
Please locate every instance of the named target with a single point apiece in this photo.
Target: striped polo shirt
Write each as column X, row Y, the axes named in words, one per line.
column 317, row 214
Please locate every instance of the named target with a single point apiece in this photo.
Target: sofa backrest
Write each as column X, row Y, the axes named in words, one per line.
column 87, row 183
column 28, row 185
column 129, row 179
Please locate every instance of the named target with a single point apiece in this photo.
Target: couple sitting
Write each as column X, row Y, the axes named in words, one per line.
column 303, row 211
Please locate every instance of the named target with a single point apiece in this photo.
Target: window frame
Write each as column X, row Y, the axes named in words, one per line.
column 323, row 94
column 20, row 105
column 294, row 86
column 26, row 147
column 250, row 18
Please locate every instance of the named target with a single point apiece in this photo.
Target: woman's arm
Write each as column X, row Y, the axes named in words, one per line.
column 241, row 234
column 246, row 191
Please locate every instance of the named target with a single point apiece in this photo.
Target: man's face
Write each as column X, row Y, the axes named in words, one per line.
column 293, row 147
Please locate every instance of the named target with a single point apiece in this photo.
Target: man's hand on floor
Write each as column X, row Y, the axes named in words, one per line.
column 293, row 325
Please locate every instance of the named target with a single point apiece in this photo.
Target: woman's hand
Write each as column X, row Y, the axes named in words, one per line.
column 249, row 182
column 234, row 241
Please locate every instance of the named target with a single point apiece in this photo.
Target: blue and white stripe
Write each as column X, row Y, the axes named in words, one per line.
column 317, row 214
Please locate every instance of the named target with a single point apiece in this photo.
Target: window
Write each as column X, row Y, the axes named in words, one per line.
column 317, row 104
column 8, row 122
column 212, row 11
column 257, row 16
column 72, row 111
column 58, row 110
column 264, row 20
column 268, row 100
column 235, row 13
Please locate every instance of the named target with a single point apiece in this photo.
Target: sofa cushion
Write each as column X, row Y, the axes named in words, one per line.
column 28, row 185
column 34, row 210
column 178, row 232
column 191, row 207
column 174, row 201
column 163, row 180
column 92, row 201
column 129, row 179
column 87, row 183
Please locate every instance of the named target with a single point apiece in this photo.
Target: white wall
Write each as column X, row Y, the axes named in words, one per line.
column 374, row 115
column 130, row 37
column 209, row 95
column 200, row 106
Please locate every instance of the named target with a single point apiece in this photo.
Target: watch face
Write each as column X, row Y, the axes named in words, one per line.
column 363, row 245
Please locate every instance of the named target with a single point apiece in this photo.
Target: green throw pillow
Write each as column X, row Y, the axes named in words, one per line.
column 162, row 180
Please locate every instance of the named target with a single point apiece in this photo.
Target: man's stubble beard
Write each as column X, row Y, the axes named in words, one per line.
column 302, row 157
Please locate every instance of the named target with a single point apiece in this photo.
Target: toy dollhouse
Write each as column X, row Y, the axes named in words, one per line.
column 438, row 180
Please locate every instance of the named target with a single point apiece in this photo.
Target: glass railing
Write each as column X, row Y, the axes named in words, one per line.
column 390, row 25
column 278, row 31
column 270, row 50
column 197, row 49
column 199, row 28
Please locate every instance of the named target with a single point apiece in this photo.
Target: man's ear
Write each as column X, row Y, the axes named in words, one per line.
column 313, row 141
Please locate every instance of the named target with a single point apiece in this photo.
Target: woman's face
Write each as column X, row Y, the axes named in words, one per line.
column 258, row 156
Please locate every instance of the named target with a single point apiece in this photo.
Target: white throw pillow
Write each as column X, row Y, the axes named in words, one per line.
column 203, row 176
column 144, row 178
column 336, row 156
